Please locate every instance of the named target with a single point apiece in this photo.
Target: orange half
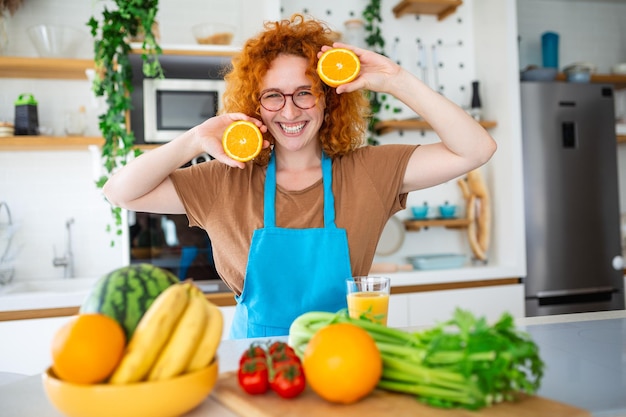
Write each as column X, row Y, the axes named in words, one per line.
column 338, row 66
column 242, row 140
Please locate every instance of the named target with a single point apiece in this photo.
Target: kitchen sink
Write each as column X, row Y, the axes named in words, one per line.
column 67, row 285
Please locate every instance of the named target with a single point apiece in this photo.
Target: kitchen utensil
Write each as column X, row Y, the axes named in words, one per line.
column 437, row 261
column 420, row 212
column 26, row 117
column 166, row 398
column 550, row 49
column 378, row 403
column 447, row 211
column 619, row 68
column 56, row 41
column 578, row 73
column 213, row 33
column 539, row 74
column 392, row 238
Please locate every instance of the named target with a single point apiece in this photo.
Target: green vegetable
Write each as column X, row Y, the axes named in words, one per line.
column 463, row 362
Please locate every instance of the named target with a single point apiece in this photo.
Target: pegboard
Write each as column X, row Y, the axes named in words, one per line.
column 438, row 52
column 441, row 53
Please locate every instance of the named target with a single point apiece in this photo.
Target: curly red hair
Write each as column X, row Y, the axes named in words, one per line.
column 345, row 118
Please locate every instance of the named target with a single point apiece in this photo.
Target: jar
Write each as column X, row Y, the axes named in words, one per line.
column 355, row 32
column 75, row 122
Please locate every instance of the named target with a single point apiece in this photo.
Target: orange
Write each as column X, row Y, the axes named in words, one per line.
column 338, row 66
column 242, row 140
column 342, row 363
column 87, row 348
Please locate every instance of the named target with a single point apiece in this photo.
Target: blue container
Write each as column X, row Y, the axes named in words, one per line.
column 550, row 49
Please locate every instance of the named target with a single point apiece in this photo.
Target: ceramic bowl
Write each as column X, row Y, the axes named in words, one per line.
column 168, row 398
column 447, row 211
column 577, row 74
column 419, row 212
column 213, row 33
column 539, row 74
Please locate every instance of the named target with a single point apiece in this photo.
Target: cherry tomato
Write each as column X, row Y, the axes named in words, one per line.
column 288, row 381
column 278, row 347
column 254, row 351
column 253, row 376
column 280, row 358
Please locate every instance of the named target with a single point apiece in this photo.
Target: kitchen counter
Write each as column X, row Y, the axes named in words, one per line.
column 585, row 356
column 15, row 305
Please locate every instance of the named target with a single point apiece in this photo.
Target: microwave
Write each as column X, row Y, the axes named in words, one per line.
column 190, row 92
column 173, row 106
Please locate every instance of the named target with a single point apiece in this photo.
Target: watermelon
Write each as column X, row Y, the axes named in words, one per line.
column 126, row 293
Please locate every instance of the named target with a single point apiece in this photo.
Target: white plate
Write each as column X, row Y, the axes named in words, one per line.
column 392, row 237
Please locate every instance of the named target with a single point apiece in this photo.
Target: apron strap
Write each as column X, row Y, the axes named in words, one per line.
column 269, row 203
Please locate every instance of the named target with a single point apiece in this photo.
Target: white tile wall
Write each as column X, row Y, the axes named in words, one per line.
column 44, row 189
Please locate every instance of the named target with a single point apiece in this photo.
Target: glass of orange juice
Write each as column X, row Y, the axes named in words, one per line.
column 368, row 297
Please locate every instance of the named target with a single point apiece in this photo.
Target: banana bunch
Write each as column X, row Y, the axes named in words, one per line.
column 179, row 333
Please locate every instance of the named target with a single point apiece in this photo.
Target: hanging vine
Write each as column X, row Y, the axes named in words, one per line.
column 133, row 19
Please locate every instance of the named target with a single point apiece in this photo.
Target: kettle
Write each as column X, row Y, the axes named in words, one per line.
column 26, row 118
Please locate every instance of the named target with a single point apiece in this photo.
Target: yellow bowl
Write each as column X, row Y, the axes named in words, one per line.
column 167, row 398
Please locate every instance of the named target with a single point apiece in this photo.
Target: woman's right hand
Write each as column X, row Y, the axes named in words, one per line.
column 209, row 136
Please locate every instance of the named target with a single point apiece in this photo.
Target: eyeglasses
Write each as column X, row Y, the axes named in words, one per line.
column 274, row 100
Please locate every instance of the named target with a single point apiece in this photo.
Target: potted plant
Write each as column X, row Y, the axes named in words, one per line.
column 112, row 45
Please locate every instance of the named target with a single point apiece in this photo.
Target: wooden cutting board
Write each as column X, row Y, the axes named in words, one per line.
column 379, row 403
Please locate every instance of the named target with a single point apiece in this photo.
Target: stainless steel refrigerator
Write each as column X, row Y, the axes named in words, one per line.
column 571, row 199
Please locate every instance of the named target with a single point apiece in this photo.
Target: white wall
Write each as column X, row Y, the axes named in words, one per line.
column 590, row 31
column 44, row 189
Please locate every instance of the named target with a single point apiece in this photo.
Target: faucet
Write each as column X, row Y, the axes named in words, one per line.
column 67, row 260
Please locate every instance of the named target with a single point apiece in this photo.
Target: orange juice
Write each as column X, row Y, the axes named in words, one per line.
column 371, row 304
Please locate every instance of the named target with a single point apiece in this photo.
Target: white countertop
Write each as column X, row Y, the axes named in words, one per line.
column 585, row 356
column 16, row 296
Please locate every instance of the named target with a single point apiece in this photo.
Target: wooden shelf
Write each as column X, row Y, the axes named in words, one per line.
column 54, row 143
column 44, row 68
column 387, row 126
column 48, row 143
column 440, row 8
column 416, row 225
column 74, row 69
column 618, row 80
column 621, row 138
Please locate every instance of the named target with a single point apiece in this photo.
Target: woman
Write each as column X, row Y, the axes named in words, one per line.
column 290, row 227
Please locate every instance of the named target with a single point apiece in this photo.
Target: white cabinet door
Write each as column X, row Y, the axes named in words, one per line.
column 428, row 308
column 398, row 310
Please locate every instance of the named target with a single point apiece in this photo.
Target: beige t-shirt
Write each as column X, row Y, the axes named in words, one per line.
column 228, row 204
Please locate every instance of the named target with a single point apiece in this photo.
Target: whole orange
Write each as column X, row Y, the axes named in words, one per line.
column 87, row 348
column 342, row 363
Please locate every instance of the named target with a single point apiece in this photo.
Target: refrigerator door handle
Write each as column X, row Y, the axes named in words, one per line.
column 577, row 291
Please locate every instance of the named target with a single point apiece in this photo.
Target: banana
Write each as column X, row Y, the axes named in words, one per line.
column 151, row 334
column 177, row 353
column 210, row 341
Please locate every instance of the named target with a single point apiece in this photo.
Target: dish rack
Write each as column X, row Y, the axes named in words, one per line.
column 7, row 252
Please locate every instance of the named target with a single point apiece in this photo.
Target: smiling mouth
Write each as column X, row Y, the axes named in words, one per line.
column 292, row 128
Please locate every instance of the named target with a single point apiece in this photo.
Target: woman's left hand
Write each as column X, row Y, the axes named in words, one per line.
column 376, row 73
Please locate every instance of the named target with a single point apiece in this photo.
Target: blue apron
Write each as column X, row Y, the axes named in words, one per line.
column 292, row 271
